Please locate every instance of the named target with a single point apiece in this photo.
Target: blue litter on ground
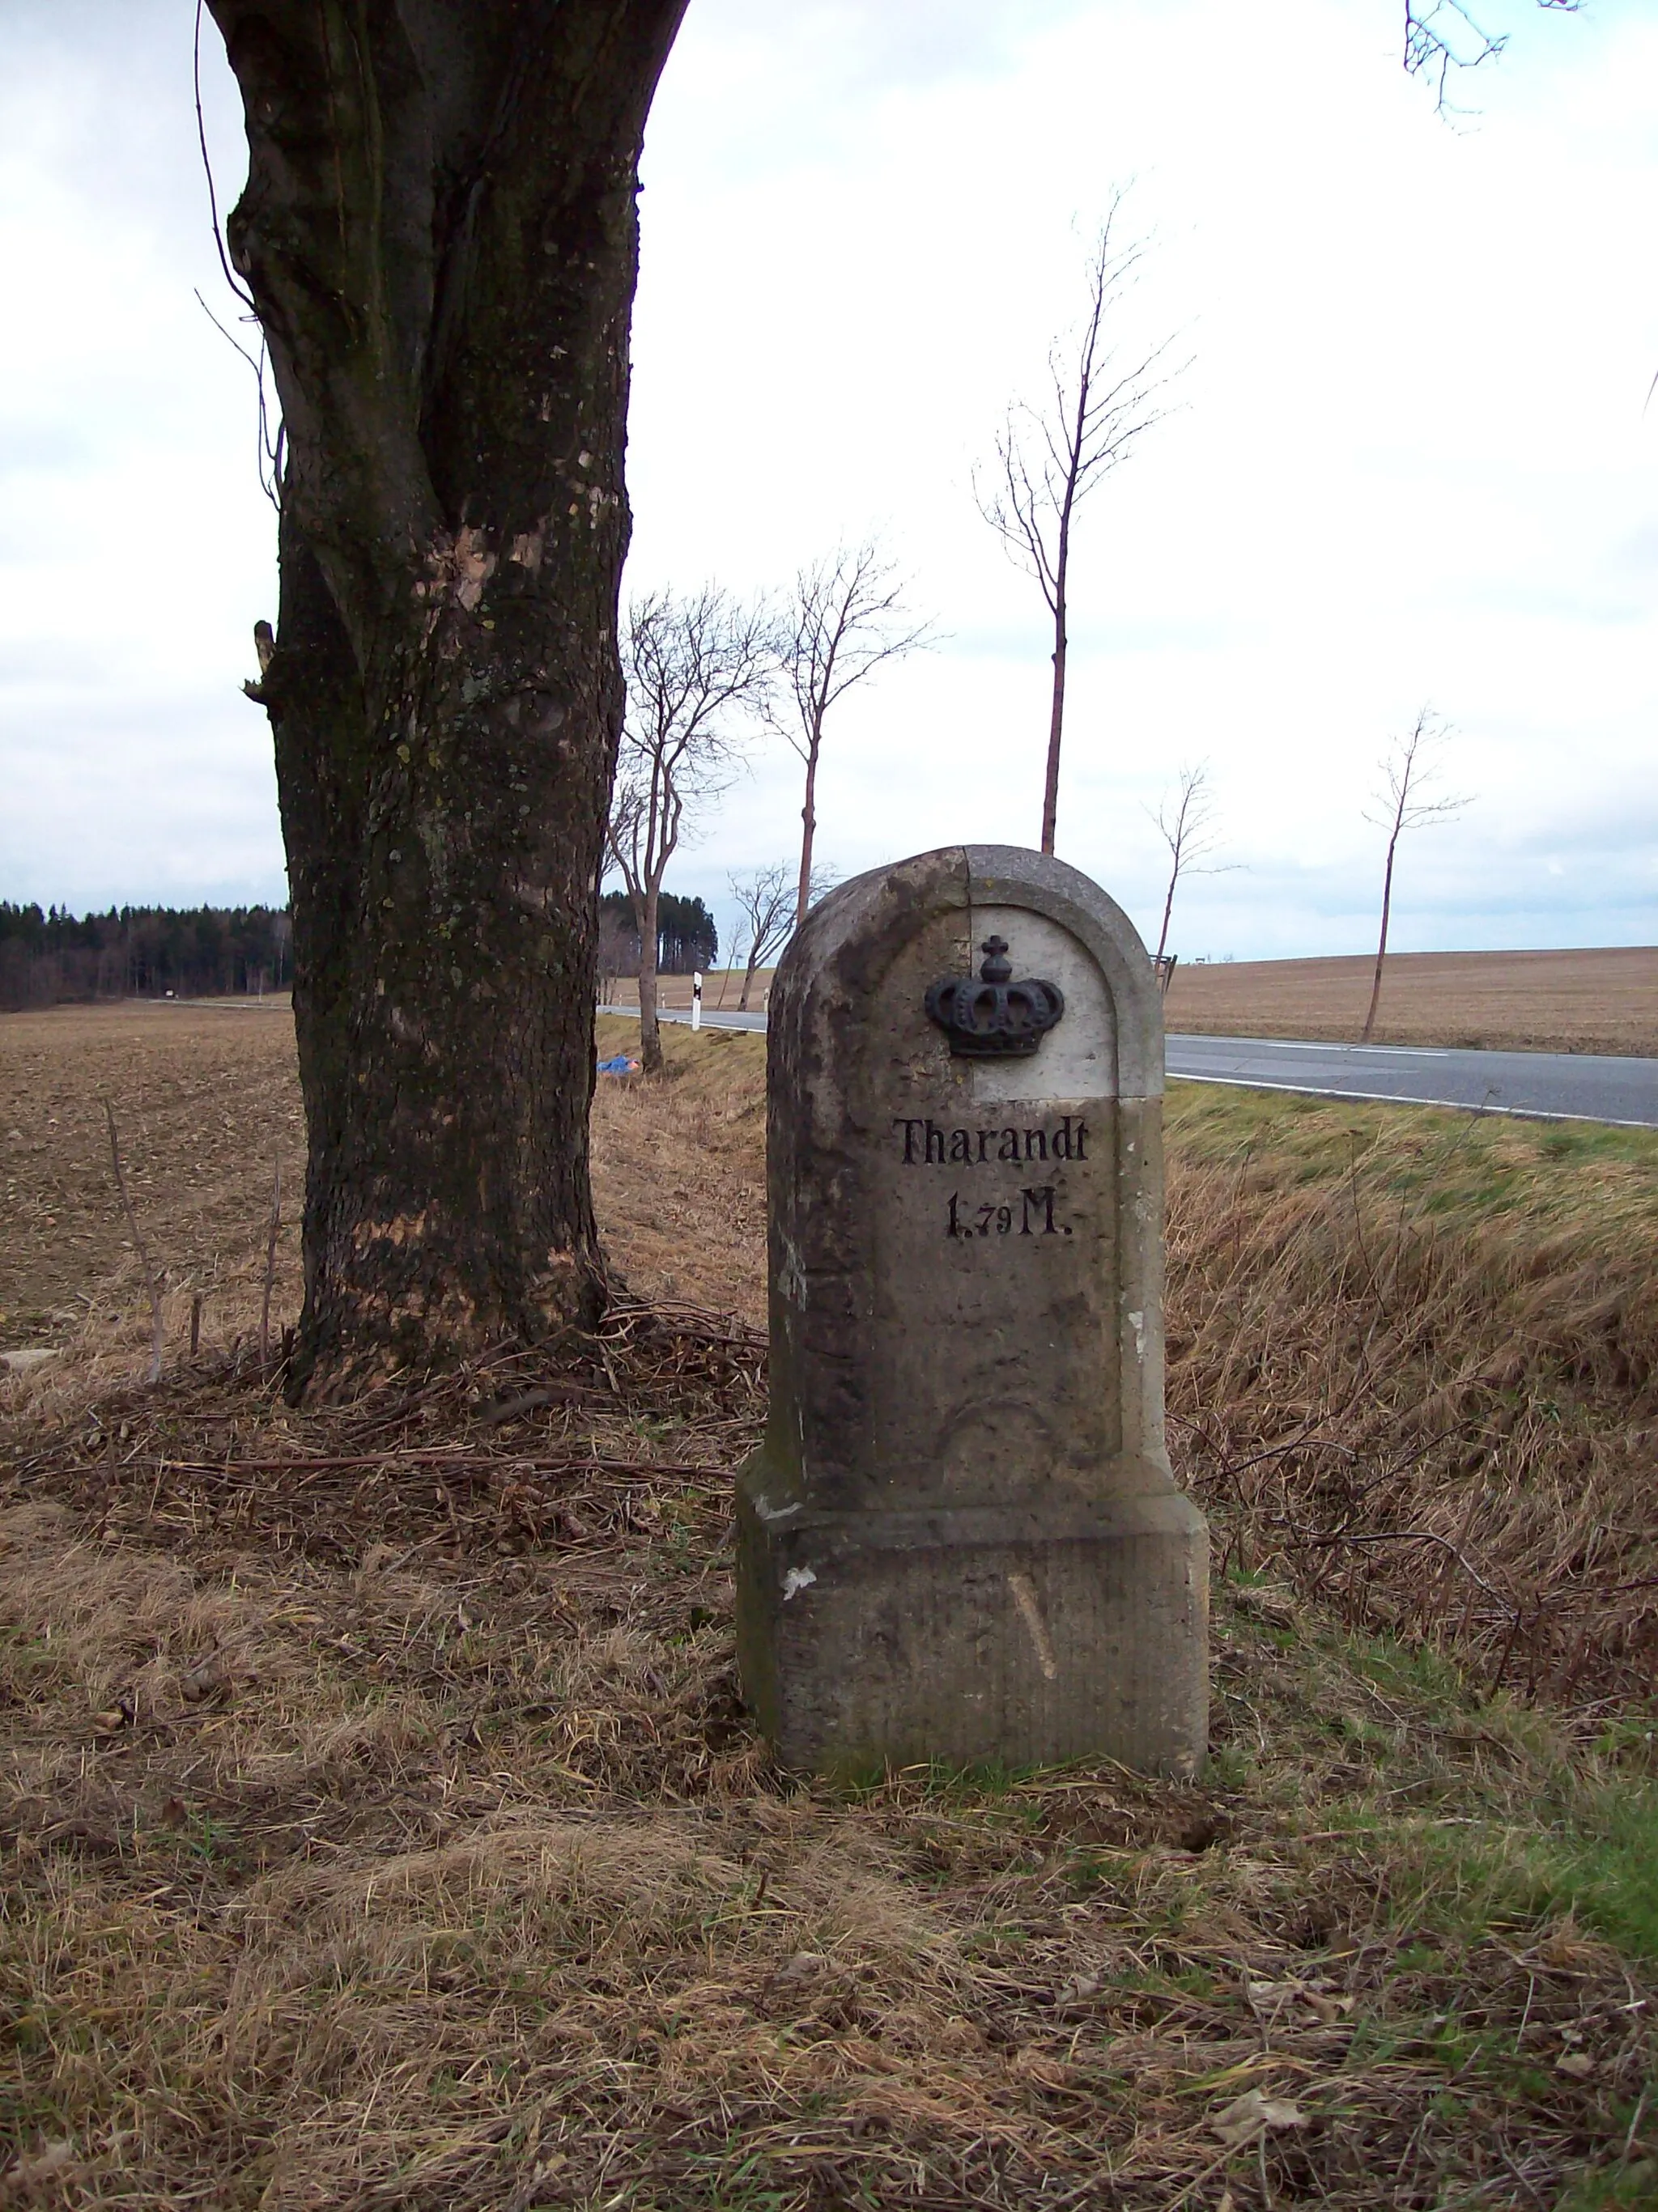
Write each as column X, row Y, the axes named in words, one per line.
column 621, row 1065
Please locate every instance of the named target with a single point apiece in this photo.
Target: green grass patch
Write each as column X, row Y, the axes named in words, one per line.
column 1469, row 1167
column 1488, row 1818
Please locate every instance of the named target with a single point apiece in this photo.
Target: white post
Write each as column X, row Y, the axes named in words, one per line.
column 696, row 998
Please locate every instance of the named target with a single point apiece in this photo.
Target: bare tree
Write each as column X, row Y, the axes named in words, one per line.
column 1407, row 767
column 697, row 670
column 848, row 617
column 1186, row 822
column 1050, row 456
column 768, row 912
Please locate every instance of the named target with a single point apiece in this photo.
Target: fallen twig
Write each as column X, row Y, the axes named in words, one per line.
column 1332, row 1536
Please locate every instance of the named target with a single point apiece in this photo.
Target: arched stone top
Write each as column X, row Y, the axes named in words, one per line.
column 846, row 937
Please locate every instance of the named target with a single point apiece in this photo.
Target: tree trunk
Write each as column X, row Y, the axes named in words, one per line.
column 1057, row 604
column 1381, row 947
column 747, row 983
column 808, row 815
column 1168, row 909
column 650, row 1032
column 439, row 236
column 1056, row 726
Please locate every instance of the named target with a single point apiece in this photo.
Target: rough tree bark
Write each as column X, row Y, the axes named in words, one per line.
column 439, row 233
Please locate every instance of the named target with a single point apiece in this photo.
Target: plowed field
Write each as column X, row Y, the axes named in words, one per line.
column 1589, row 1002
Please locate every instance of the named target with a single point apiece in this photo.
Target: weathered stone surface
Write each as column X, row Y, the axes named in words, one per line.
column 960, row 1540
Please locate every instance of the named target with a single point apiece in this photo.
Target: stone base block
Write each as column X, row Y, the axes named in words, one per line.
column 1018, row 1635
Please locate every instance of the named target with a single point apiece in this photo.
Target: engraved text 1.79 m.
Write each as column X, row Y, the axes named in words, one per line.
column 1031, row 1216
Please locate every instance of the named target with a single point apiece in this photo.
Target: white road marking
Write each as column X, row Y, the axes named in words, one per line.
column 1316, row 1044
column 1402, row 1098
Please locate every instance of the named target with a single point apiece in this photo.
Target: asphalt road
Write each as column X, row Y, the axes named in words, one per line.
column 1550, row 1085
column 1576, row 1086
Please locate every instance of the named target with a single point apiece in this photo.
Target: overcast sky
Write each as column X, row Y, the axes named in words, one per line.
column 1412, row 463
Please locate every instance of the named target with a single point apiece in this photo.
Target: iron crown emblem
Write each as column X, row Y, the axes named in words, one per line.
column 989, row 1016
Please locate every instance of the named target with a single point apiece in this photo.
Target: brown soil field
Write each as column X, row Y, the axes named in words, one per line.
column 1591, row 1001
column 206, row 1103
column 382, row 1828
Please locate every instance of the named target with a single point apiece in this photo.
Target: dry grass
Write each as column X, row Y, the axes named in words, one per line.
column 384, row 1830
column 375, row 1842
column 681, row 1197
column 1589, row 1002
column 1414, row 1363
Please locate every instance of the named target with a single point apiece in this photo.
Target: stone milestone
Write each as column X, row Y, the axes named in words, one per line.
column 960, row 1540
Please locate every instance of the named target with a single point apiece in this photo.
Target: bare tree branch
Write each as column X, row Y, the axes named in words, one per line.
column 1442, row 37
column 1049, row 457
column 699, row 670
column 273, row 443
column 241, row 290
column 848, row 618
column 1408, row 766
